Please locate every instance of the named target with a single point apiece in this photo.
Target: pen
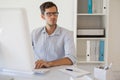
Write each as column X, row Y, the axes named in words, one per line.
column 108, row 67
column 72, row 70
column 69, row 69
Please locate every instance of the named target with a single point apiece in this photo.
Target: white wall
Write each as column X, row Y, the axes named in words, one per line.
column 114, row 38
column 65, row 18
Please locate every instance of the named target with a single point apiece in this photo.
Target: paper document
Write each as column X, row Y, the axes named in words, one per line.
column 74, row 71
column 81, row 78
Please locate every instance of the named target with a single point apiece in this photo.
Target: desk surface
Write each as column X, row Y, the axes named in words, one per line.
column 53, row 74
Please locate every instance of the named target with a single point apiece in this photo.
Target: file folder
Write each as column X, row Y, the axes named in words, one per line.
column 101, row 51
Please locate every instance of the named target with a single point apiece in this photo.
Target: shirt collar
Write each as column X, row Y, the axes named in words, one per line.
column 56, row 32
column 44, row 30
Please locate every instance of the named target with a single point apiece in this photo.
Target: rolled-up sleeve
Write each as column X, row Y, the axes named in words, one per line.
column 69, row 46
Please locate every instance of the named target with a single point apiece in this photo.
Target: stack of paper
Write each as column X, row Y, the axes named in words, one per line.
column 81, row 78
column 74, row 71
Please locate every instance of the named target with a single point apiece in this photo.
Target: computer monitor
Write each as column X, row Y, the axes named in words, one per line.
column 16, row 52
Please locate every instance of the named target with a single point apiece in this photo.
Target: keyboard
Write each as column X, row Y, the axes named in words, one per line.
column 42, row 70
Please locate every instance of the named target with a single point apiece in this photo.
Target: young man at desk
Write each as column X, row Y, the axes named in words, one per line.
column 53, row 45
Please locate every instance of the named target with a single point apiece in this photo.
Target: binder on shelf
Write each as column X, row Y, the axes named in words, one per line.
column 97, row 50
column 94, row 6
column 88, row 50
column 91, row 32
column 90, row 6
column 101, row 50
column 104, row 6
column 92, row 50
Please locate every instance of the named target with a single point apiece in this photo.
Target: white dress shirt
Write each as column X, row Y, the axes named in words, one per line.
column 58, row 45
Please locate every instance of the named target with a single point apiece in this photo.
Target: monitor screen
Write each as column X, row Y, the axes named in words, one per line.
column 16, row 51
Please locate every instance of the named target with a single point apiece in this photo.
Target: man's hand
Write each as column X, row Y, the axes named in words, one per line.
column 42, row 64
column 45, row 64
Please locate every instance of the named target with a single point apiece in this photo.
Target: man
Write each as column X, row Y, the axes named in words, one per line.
column 53, row 45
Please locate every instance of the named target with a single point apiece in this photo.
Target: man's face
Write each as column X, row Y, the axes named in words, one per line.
column 50, row 16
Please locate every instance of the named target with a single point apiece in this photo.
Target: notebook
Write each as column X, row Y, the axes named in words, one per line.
column 74, row 71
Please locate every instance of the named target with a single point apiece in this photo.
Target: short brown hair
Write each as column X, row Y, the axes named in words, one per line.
column 46, row 5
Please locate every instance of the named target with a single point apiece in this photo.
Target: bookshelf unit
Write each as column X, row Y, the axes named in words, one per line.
column 92, row 45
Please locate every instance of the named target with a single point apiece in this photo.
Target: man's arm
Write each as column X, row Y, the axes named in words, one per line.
column 45, row 64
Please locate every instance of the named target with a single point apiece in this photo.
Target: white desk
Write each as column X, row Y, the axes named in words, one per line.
column 53, row 74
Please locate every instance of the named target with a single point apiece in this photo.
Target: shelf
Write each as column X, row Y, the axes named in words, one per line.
column 88, row 43
column 94, row 14
column 94, row 62
column 91, row 38
column 98, row 6
column 90, row 22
